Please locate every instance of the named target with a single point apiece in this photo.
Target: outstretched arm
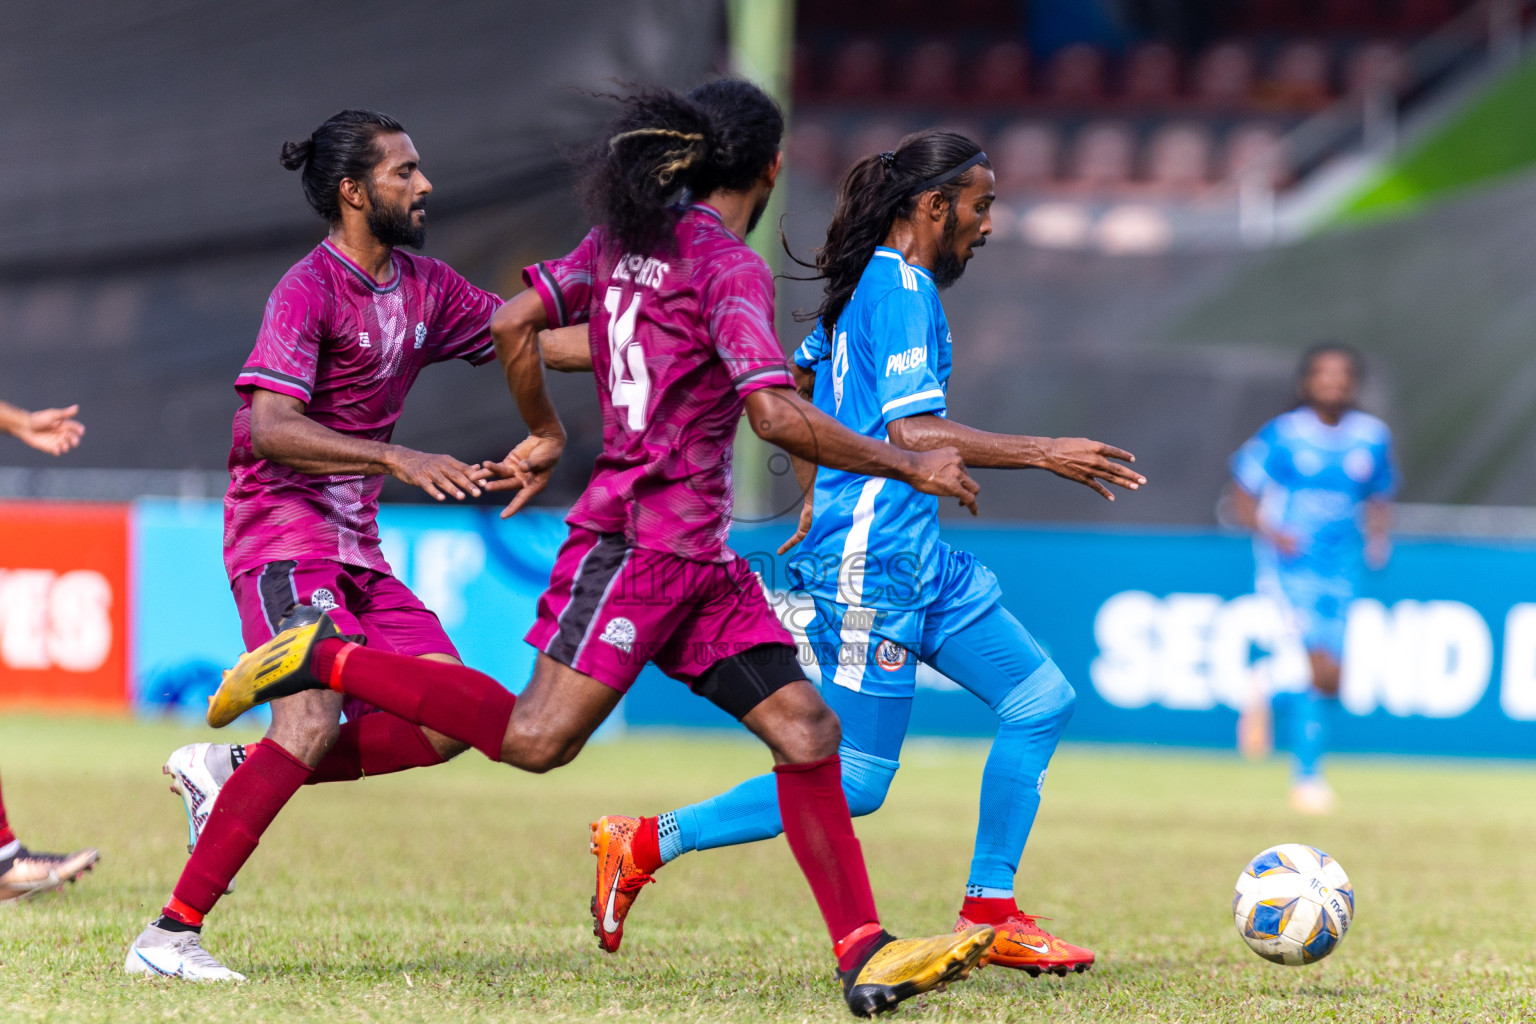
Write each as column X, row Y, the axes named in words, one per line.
column 566, row 349
column 780, row 416
column 526, row 469
column 54, row 431
column 281, row 432
column 1245, row 510
column 805, row 472
column 1075, row 458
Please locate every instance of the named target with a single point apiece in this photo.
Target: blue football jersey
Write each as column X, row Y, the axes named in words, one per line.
column 1312, row 480
column 874, row 542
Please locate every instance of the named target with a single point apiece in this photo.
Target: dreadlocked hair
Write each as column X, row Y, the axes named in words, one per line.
column 664, row 147
column 870, row 197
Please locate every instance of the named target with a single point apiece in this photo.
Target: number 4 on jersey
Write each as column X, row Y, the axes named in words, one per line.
column 629, row 383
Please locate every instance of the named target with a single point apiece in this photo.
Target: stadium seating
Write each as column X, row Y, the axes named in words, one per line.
column 1001, row 75
column 1155, row 118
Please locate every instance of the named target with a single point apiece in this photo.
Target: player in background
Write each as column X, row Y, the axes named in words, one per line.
column 345, row 333
column 681, row 342
column 1314, row 486
column 888, row 591
column 24, row 872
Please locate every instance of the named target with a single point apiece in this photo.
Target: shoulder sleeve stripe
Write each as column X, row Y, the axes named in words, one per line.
column 932, row 394
column 555, row 293
column 484, row 354
column 763, row 371
column 261, row 376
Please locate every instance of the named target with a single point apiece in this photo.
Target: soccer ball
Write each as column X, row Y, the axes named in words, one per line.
column 1293, row 904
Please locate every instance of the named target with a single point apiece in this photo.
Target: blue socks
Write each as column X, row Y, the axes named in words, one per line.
column 1305, row 717
column 750, row 811
column 1033, row 716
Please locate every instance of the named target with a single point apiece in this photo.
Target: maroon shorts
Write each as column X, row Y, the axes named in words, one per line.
column 365, row 604
column 611, row 608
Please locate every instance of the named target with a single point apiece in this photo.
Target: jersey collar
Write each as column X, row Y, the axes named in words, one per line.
column 1311, row 426
column 363, row 275
column 710, row 211
column 889, row 253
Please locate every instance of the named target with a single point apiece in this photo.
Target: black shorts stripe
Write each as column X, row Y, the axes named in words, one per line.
column 278, row 597
column 597, row 570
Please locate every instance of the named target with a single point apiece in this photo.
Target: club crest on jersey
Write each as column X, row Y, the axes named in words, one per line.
column 1359, row 465
column 890, row 655
column 421, row 335
column 620, row 633
column 322, row 599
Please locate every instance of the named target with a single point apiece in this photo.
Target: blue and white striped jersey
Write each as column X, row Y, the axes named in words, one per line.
column 874, row 542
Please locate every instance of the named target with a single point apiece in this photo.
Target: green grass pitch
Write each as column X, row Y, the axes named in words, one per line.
column 460, row 893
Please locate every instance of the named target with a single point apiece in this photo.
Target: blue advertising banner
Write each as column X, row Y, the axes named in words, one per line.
column 480, row 574
column 1159, row 630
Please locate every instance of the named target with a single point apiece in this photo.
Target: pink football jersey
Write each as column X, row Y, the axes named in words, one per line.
column 350, row 349
column 678, row 341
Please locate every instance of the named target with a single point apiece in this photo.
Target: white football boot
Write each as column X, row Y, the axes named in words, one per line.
column 1312, row 796
column 198, row 772
column 165, row 954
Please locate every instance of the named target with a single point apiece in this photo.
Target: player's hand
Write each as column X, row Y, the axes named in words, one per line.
column 526, row 469
column 441, row 476
column 1378, row 551
column 54, row 431
column 1283, row 542
column 1088, row 462
column 802, row 530
column 942, row 472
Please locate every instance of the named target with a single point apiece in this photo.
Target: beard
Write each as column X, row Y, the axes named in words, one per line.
column 393, row 226
column 949, row 266
column 757, row 213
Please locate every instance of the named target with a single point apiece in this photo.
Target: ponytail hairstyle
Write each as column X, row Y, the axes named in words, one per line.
column 872, row 195
column 665, row 148
column 345, row 146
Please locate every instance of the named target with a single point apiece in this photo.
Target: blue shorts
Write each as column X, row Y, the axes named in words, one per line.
column 1315, row 606
column 876, row 651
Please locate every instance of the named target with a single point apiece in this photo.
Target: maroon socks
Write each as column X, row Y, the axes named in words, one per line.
column 820, row 834
column 7, row 837
column 246, row 806
column 456, row 701
column 375, row 744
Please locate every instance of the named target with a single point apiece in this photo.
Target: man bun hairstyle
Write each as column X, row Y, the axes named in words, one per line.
column 345, row 146
column 873, row 194
column 664, row 147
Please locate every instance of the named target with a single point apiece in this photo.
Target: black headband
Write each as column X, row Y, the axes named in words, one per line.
column 948, row 175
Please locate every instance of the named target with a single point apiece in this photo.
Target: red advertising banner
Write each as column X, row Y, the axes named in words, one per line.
column 64, row 605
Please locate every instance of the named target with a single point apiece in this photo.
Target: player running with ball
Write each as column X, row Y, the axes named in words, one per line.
column 888, row 591
column 681, row 339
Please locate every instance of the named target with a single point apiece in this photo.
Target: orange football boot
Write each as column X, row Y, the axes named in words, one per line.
column 619, row 881
column 1023, row 945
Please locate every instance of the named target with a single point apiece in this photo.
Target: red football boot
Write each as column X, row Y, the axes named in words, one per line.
column 1024, row 945
column 619, row 881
